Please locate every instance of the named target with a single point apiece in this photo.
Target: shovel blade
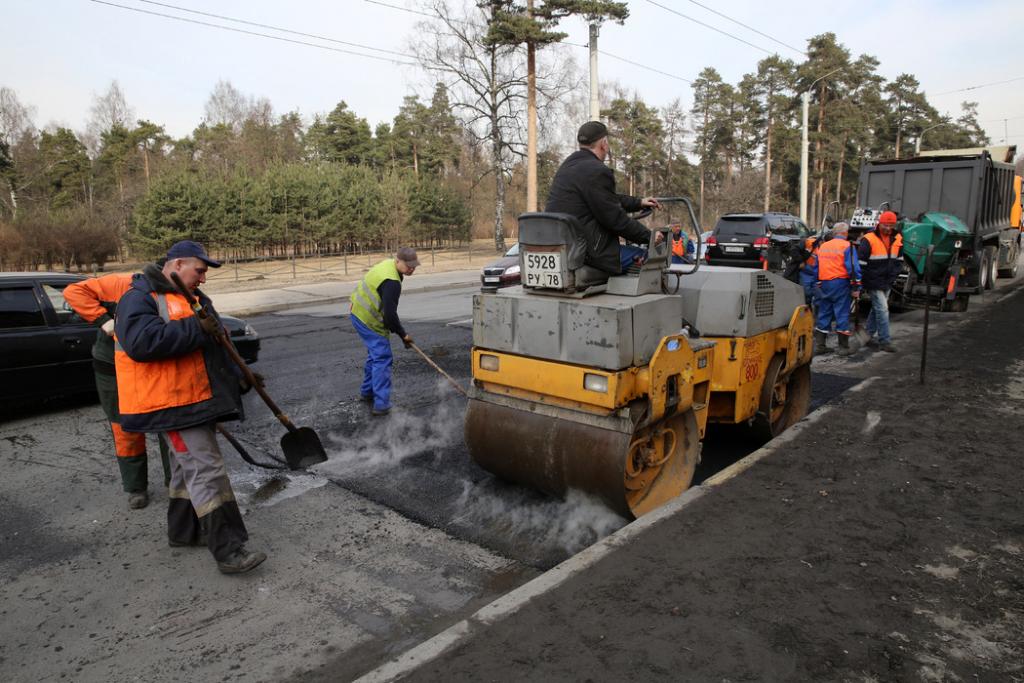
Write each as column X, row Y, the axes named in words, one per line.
column 302, row 448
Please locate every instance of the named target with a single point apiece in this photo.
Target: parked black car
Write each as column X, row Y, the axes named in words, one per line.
column 46, row 348
column 743, row 239
column 504, row 272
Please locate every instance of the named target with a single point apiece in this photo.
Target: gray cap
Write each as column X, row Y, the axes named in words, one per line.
column 408, row 255
column 590, row 132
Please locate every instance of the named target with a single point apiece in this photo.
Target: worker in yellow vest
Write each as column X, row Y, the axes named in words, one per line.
column 374, row 314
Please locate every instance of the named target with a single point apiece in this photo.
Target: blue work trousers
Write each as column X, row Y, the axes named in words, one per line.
column 807, row 281
column 377, row 371
column 834, row 304
column 878, row 318
column 627, row 253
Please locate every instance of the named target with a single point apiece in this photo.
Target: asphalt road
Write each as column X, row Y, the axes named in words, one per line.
column 415, row 461
column 393, row 539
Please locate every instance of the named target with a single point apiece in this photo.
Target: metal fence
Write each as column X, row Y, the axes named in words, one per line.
column 336, row 263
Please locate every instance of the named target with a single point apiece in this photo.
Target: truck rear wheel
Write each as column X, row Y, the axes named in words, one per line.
column 984, row 270
column 990, row 263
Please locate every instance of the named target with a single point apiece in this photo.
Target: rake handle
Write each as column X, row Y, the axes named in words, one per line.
column 438, row 368
column 223, row 340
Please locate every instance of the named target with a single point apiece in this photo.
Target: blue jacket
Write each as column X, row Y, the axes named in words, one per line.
column 146, row 337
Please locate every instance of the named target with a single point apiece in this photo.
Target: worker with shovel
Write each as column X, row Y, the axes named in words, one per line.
column 374, row 315
column 837, row 276
column 174, row 377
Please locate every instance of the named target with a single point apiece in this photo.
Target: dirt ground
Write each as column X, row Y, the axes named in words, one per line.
column 884, row 543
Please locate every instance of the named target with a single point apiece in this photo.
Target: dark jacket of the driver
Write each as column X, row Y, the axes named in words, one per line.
column 585, row 188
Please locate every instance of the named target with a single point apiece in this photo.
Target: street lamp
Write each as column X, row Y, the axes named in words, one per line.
column 917, row 145
column 805, row 97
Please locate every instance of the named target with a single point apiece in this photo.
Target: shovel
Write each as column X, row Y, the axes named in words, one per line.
column 301, row 445
column 244, row 453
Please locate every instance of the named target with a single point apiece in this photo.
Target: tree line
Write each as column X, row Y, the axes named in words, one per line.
column 249, row 181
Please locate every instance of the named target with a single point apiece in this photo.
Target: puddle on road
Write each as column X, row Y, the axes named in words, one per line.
column 260, row 488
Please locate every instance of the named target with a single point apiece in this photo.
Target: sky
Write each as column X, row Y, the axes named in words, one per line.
column 58, row 55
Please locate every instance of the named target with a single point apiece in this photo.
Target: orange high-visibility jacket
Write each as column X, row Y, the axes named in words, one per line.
column 679, row 245
column 95, row 300
column 837, row 260
column 881, row 260
column 170, row 374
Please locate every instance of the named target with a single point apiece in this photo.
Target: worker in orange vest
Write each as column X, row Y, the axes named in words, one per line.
column 682, row 245
column 174, row 377
column 808, row 279
column 837, row 274
column 95, row 301
column 881, row 259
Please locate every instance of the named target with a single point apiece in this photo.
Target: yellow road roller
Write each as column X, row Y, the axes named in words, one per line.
column 606, row 384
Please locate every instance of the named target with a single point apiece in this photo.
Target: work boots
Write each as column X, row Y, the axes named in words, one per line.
column 240, row 561
column 138, row 500
column 819, row 343
column 844, row 345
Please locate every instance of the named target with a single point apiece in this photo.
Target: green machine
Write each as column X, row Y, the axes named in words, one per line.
column 951, row 240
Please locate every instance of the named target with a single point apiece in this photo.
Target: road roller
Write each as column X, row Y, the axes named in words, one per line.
column 607, row 384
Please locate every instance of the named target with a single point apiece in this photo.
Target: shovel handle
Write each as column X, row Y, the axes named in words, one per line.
column 223, row 340
column 438, row 368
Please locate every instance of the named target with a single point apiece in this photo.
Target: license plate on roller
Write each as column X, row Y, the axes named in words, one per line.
column 543, row 270
column 734, row 250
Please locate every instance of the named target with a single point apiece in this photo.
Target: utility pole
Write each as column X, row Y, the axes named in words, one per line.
column 805, row 99
column 531, row 119
column 595, row 104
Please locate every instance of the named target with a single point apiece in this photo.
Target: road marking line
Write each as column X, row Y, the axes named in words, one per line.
column 510, row 603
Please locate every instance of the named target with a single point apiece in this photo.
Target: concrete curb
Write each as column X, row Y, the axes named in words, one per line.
column 511, row 602
column 242, row 312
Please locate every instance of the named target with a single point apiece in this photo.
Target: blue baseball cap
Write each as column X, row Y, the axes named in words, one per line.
column 190, row 249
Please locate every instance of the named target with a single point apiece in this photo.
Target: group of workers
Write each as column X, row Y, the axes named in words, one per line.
column 161, row 366
column 836, row 272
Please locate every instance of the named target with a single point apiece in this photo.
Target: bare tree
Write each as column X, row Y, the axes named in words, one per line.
column 487, row 85
column 109, row 110
column 227, row 105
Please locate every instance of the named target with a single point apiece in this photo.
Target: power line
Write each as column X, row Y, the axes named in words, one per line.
column 749, row 28
column 975, row 87
column 253, row 33
column 276, row 28
column 698, row 21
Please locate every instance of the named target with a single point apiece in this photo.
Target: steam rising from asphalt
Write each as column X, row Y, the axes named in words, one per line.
column 433, row 436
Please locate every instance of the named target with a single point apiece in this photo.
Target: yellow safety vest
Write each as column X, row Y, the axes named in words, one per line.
column 366, row 300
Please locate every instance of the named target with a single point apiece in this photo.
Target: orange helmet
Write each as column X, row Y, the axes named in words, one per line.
column 888, row 217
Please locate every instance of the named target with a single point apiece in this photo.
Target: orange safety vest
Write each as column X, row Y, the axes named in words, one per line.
column 809, row 245
column 832, row 258
column 679, row 246
column 146, row 387
column 879, row 250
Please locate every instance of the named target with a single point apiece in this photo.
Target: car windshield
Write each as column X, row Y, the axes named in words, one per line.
column 747, row 226
column 514, row 251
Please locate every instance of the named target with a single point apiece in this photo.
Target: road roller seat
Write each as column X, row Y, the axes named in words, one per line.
column 552, row 250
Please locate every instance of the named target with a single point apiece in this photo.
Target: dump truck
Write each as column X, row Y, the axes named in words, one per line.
column 607, row 384
column 980, row 192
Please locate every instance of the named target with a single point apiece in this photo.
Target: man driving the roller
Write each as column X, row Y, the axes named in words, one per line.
column 584, row 187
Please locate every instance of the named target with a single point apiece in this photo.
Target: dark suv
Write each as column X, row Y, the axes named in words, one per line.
column 743, row 239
